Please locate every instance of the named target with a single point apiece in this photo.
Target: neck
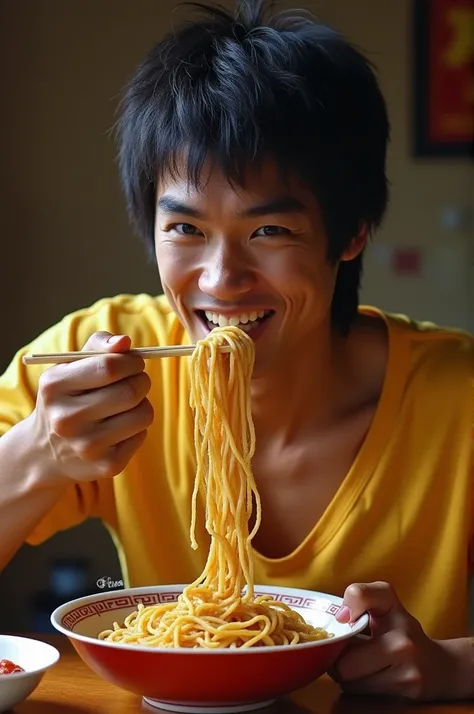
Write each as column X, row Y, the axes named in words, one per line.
column 304, row 388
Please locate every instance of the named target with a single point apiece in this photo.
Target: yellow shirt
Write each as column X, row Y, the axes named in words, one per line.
column 404, row 513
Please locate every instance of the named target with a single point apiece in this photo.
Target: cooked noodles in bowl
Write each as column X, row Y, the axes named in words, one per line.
column 180, row 677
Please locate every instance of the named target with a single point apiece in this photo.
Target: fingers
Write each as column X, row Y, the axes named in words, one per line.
column 379, row 599
column 117, row 398
column 403, row 681
column 399, row 659
column 93, row 414
column 125, row 450
column 92, row 372
column 75, row 414
column 100, row 341
column 368, row 658
column 116, row 459
column 114, row 431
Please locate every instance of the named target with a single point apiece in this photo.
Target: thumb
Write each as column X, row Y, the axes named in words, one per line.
column 378, row 599
column 107, row 342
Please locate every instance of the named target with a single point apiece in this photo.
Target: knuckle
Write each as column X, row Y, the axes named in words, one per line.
column 411, row 681
column 146, row 379
column 108, row 468
column 96, row 340
column 403, row 646
column 133, row 389
column 370, row 594
column 385, row 587
column 48, row 384
column 136, row 364
column 128, row 391
column 108, row 366
column 123, row 456
column 412, row 676
column 356, row 591
column 87, row 449
column 142, row 384
column 61, row 423
column 148, row 413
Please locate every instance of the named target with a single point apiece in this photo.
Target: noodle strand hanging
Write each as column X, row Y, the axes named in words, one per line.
column 220, row 609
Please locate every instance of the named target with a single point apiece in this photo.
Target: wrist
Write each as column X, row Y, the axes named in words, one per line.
column 38, row 470
column 460, row 653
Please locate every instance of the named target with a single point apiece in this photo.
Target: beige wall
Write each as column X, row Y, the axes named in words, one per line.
column 64, row 236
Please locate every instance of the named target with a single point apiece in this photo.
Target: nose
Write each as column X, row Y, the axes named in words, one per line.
column 227, row 273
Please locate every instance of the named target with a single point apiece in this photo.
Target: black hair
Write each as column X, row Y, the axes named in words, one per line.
column 238, row 89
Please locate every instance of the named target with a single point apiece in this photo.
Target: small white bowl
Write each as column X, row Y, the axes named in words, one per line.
column 34, row 656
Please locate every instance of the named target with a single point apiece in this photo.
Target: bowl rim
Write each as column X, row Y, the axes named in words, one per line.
column 55, row 654
column 358, row 626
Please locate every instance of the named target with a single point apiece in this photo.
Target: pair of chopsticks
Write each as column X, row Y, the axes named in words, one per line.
column 144, row 352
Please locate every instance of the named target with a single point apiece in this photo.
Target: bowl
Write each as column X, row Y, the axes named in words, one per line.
column 201, row 680
column 34, row 657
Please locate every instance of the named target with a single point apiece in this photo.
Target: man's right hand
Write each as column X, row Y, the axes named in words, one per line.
column 92, row 415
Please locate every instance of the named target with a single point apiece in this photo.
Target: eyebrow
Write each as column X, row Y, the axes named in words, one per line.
column 168, row 204
column 284, row 204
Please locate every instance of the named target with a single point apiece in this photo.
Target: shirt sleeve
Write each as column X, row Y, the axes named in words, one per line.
column 18, row 391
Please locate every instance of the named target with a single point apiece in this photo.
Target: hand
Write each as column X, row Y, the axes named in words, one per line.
column 92, row 415
column 400, row 659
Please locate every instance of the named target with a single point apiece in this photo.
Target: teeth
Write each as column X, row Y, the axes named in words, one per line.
column 234, row 320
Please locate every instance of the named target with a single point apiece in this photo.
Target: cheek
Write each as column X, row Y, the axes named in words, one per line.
column 303, row 277
column 174, row 272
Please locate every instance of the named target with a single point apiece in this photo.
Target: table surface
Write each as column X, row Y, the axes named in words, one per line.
column 70, row 687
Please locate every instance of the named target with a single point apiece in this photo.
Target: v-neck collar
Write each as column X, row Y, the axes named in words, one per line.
column 369, row 454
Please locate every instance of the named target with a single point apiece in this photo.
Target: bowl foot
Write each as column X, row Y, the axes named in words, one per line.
column 196, row 709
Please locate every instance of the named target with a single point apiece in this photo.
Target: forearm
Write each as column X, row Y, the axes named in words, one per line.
column 28, row 489
column 461, row 676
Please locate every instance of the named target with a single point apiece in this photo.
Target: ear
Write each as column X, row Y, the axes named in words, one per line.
column 357, row 244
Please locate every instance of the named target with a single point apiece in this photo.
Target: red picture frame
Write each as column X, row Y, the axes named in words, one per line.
column 443, row 77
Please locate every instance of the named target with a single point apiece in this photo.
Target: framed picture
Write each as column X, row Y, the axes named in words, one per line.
column 443, row 77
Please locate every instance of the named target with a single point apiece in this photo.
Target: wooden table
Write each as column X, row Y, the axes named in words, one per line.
column 70, row 687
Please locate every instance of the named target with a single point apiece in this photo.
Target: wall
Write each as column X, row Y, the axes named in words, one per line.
column 64, row 236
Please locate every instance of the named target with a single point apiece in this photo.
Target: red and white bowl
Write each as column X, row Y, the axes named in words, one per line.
column 194, row 680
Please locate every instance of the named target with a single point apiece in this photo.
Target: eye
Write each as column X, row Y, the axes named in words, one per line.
column 185, row 229
column 272, row 231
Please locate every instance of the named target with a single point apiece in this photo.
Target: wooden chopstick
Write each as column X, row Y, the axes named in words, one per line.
column 145, row 352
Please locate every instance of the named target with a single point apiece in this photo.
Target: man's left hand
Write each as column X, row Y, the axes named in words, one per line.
column 400, row 659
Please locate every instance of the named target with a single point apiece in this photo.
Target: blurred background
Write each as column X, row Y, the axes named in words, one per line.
column 66, row 242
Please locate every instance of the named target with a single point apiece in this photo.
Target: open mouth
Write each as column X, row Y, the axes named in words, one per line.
column 246, row 321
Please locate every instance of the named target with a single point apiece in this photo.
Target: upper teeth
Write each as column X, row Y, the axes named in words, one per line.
column 235, row 320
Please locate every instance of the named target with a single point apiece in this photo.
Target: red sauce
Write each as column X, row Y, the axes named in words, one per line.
column 8, row 667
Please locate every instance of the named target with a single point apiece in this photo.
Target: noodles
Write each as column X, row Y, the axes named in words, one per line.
column 220, row 609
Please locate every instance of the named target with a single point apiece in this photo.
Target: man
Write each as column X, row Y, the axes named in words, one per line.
column 252, row 156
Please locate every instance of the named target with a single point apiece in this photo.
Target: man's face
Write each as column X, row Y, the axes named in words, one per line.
column 253, row 257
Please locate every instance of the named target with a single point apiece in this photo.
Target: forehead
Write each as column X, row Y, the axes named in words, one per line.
column 260, row 184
